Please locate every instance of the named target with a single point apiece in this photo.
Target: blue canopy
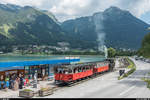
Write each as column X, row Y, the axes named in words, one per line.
column 32, row 63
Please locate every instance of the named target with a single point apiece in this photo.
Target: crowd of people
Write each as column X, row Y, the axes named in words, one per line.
column 13, row 82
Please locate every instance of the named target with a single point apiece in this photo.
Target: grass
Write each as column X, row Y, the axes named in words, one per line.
column 45, row 89
column 4, row 29
column 147, row 81
column 131, row 67
column 27, row 90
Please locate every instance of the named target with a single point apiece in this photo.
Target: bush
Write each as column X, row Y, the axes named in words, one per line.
column 147, row 81
column 27, row 90
column 131, row 66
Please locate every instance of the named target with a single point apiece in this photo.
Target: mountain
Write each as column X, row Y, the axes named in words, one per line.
column 145, row 49
column 26, row 25
column 113, row 27
column 51, row 16
column 81, row 29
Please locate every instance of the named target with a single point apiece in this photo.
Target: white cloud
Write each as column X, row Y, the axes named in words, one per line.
column 136, row 7
column 66, row 9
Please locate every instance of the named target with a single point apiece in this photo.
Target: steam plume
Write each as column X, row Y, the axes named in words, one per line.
column 99, row 29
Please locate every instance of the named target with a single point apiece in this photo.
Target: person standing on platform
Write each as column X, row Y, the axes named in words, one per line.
column 13, row 81
column 26, row 81
column 35, row 80
column 16, row 84
column 21, row 82
column 10, row 82
column 7, row 83
column 2, row 82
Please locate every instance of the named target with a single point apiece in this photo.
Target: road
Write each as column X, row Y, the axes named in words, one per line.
column 108, row 86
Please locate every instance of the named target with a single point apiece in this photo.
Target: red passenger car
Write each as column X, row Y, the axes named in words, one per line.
column 101, row 67
column 71, row 73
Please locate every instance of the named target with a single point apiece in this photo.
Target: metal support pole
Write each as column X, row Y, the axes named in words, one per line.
column 49, row 69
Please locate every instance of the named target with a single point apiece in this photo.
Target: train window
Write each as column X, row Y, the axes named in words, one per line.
column 60, row 70
column 86, row 68
column 80, row 70
column 65, row 72
column 70, row 71
column 97, row 65
column 83, row 69
column 76, row 71
column 100, row 64
column 90, row 67
column 55, row 70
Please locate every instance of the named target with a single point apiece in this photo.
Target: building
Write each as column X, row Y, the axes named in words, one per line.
column 28, row 68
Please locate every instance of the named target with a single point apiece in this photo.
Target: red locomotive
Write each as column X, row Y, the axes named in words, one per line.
column 72, row 73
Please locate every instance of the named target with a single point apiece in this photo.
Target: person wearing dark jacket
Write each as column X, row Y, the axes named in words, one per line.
column 21, row 82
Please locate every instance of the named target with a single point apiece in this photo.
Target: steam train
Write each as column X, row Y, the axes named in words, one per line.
column 67, row 74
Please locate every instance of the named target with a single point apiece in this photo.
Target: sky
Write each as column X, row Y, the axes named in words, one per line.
column 70, row 9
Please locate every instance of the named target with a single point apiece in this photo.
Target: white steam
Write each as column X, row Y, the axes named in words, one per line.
column 99, row 29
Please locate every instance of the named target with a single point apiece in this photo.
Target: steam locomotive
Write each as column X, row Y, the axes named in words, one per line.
column 66, row 74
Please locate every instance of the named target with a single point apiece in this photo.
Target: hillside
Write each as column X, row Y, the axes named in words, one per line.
column 26, row 25
column 30, row 26
column 50, row 15
column 119, row 28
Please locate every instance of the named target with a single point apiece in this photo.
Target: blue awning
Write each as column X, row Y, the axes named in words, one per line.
column 32, row 63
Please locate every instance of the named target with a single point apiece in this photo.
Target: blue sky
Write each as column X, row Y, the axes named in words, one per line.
column 69, row 9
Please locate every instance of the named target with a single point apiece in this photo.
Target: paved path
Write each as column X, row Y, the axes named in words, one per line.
column 108, row 86
column 15, row 94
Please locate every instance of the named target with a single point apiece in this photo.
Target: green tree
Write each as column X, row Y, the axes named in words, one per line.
column 145, row 49
column 111, row 52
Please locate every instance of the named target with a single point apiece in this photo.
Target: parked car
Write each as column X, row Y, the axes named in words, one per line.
column 137, row 58
column 148, row 61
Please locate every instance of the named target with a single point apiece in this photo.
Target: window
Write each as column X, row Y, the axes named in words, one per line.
column 70, row 71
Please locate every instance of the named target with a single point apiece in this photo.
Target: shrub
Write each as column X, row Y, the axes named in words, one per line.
column 27, row 90
column 131, row 66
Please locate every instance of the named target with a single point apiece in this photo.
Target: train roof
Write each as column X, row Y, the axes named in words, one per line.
column 79, row 65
